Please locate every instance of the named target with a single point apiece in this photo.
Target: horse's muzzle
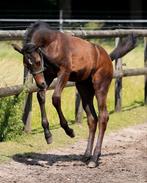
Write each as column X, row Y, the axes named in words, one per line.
column 42, row 85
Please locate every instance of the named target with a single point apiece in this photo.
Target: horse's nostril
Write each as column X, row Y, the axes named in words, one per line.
column 42, row 85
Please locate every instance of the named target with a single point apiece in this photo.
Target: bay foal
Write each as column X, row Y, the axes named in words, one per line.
column 49, row 54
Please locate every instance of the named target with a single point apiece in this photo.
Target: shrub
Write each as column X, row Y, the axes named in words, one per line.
column 11, row 124
column 93, row 25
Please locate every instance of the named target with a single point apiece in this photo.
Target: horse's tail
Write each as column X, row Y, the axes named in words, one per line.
column 123, row 47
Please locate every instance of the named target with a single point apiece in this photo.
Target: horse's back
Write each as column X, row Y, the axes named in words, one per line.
column 88, row 57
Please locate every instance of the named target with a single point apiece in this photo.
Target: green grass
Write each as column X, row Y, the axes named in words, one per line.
column 11, row 65
column 67, row 99
column 133, row 111
column 7, row 52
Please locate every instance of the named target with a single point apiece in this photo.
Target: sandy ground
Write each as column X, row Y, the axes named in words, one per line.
column 123, row 160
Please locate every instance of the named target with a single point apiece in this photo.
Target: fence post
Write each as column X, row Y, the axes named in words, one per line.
column 145, row 65
column 118, row 81
column 27, row 103
column 78, row 108
column 61, row 20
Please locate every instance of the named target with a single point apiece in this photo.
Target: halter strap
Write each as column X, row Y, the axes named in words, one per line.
column 41, row 69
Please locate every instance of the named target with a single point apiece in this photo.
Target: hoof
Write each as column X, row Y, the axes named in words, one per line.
column 49, row 140
column 86, row 158
column 70, row 133
column 92, row 164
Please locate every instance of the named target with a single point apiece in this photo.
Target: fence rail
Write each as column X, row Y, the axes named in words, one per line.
column 17, row 89
column 61, row 23
column 31, row 88
column 18, row 34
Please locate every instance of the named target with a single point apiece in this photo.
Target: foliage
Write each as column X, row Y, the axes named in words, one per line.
column 11, row 117
column 93, row 25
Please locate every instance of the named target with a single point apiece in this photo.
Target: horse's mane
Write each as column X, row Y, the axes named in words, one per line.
column 32, row 28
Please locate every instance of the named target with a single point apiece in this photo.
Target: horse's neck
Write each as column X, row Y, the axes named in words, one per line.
column 50, row 69
column 44, row 37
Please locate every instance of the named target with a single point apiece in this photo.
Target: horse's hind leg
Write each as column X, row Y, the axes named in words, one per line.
column 86, row 92
column 101, row 90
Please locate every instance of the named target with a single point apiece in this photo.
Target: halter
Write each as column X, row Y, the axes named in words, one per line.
column 42, row 66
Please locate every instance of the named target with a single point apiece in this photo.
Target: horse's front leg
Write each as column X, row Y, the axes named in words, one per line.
column 56, row 99
column 45, row 124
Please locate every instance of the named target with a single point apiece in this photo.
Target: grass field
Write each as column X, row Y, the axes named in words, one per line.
column 133, row 111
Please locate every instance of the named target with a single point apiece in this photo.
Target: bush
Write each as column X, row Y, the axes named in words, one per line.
column 93, row 25
column 11, row 124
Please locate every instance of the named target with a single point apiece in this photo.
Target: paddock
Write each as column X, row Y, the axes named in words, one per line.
column 119, row 72
column 123, row 158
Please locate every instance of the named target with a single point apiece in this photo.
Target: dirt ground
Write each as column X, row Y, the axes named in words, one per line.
column 123, row 160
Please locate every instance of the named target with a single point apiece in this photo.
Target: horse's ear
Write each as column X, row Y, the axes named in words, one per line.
column 17, row 48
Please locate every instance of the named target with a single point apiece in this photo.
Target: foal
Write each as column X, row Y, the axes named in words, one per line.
column 49, row 54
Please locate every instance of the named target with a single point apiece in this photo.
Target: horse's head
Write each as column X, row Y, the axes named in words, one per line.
column 33, row 60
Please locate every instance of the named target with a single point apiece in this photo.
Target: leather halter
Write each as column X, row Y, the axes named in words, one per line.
column 41, row 69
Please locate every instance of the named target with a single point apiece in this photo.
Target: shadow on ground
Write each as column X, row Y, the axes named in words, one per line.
column 39, row 159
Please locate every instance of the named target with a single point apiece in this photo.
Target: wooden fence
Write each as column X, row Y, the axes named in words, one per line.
column 119, row 73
